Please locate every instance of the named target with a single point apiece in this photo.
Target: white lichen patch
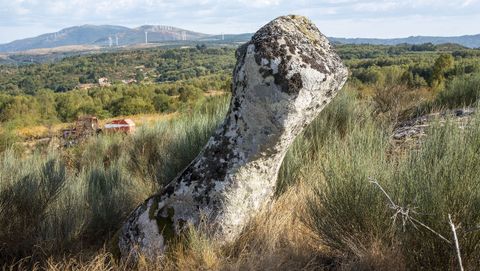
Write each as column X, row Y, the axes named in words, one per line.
column 151, row 242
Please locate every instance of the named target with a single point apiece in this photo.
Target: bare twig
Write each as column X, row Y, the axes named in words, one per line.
column 383, row 190
column 406, row 217
column 430, row 229
column 405, row 213
column 457, row 246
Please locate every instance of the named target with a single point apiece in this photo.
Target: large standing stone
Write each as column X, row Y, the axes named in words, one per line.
column 283, row 78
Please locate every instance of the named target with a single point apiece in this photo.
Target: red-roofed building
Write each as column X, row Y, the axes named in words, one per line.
column 122, row 125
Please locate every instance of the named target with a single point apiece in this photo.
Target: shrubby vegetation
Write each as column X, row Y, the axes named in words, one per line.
column 153, row 65
column 65, row 200
column 173, row 79
column 461, row 91
column 327, row 214
column 167, row 80
column 350, row 215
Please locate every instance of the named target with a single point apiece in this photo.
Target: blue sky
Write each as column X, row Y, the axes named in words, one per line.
column 339, row 18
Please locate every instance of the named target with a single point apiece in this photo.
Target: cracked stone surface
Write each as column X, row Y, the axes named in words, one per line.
column 284, row 77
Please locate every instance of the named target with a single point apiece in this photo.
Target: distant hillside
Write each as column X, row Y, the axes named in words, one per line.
column 471, row 41
column 102, row 35
column 230, row 37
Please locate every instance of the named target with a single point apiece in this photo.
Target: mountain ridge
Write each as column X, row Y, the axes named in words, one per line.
column 101, row 35
column 109, row 35
column 471, row 41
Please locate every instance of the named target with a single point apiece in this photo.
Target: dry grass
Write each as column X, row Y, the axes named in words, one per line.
column 214, row 92
column 60, row 49
column 144, row 119
column 41, row 131
column 395, row 102
column 275, row 239
column 376, row 256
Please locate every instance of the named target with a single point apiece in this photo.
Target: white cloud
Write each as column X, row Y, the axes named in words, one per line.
column 376, row 6
column 260, row 3
column 467, row 3
column 235, row 16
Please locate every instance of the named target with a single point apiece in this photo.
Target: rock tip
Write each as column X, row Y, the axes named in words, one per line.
column 296, row 18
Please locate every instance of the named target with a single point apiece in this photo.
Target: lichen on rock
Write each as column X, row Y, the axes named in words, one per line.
column 284, row 77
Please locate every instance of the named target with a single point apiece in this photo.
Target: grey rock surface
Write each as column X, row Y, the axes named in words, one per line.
column 283, row 79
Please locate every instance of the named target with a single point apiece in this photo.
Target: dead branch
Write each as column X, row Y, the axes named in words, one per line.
column 405, row 213
column 457, row 246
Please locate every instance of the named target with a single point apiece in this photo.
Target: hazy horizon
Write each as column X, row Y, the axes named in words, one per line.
column 336, row 18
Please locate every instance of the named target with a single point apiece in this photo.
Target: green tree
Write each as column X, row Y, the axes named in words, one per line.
column 28, row 85
column 134, row 105
column 444, row 63
column 190, row 94
column 67, row 105
column 23, row 110
column 47, row 105
column 139, row 75
column 162, row 102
